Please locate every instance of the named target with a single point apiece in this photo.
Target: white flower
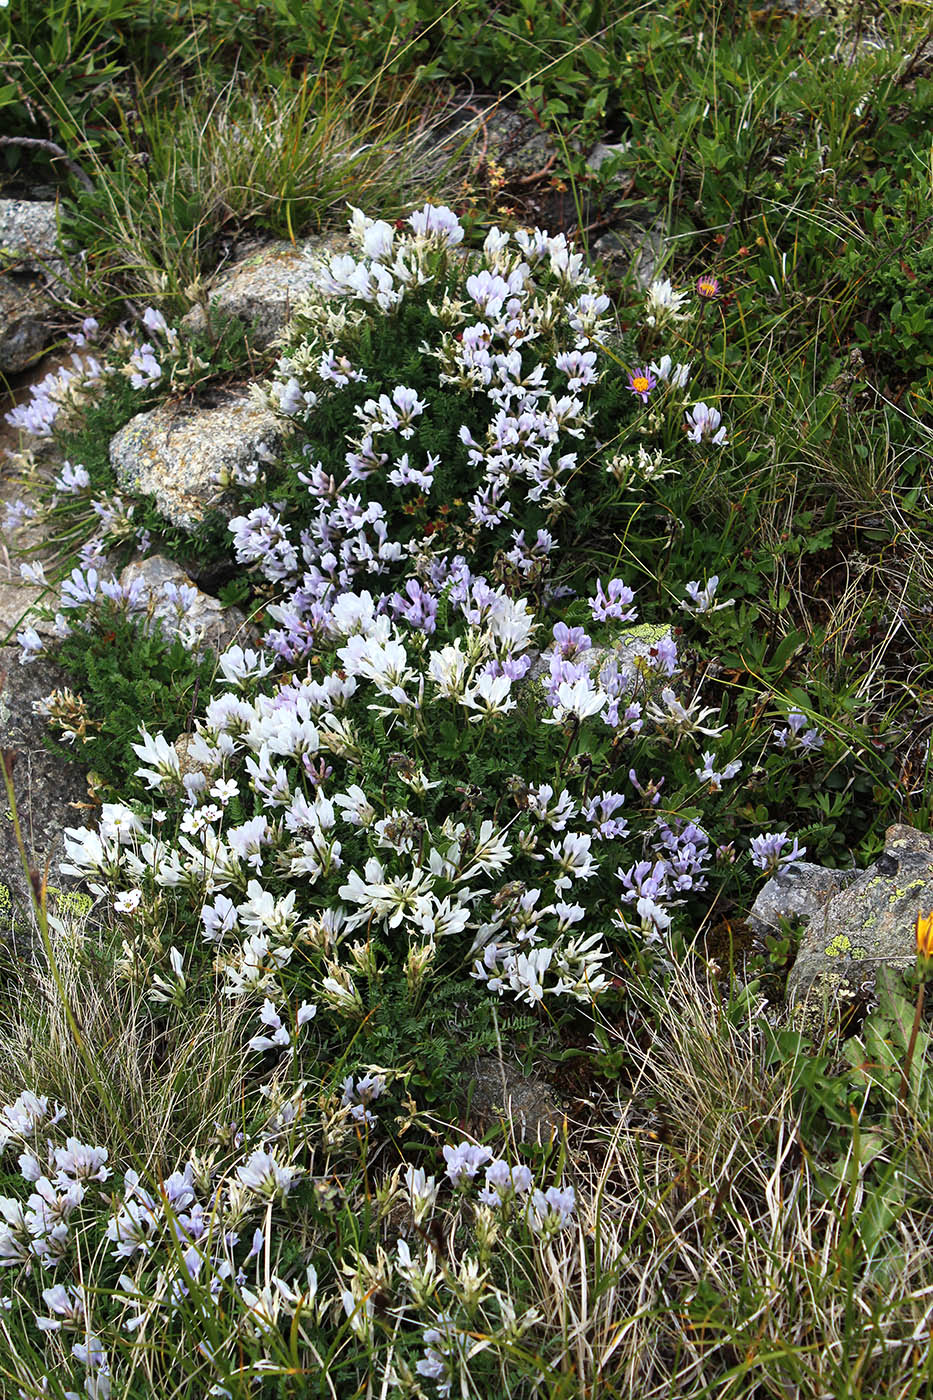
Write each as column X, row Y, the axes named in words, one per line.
column 490, row 696
column 390, row 900
column 573, row 859
column 577, row 700
column 266, row 1176
column 422, row 1193
column 127, row 901
column 490, row 854
column 663, row 304
column 437, row 221
column 25, row 1115
column 238, row 666
column 707, row 773
column 170, row 989
column 703, row 425
column 159, row 753
column 683, row 719
column 448, row 668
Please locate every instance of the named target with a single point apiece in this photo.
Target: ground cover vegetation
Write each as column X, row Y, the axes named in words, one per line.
column 581, row 607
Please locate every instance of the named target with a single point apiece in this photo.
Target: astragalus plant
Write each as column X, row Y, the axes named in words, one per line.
column 455, row 793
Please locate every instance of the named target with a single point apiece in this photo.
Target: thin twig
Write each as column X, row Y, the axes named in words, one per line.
column 34, row 143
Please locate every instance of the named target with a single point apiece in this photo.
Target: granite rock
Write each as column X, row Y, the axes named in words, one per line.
column 868, row 925
column 502, row 1094
column 205, row 619
column 602, row 152
column 176, row 452
column 26, row 312
column 29, row 236
column 494, row 135
column 48, row 787
column 634, row 247
column 30, row 258
column 261, row 289
column 798, row 893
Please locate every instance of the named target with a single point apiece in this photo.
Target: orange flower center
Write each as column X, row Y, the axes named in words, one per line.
column 640, row 383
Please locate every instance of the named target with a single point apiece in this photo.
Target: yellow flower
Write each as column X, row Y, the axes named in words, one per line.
column 924, row 931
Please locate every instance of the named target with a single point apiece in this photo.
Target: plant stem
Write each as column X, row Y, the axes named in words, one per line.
column 909, row 1058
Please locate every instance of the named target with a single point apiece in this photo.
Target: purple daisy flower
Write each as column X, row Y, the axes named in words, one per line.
column 641, row 383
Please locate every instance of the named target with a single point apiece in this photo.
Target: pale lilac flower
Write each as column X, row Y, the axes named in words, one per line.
column 437, row 221
column 67, row 1306
column 78, row 1161
column 708, row 774
column 266, row 1176
column 489, row 291
column 23, row 1117
column 598, row 811
column 676, row 375
column 769, row 854
column 701, row 600
column 80, row 588
column 662, row 656
column 16, row 513
column 797, row 735
column 465, row 1160
column 503, row 1182
column 145, row 368
column 31, row 645
column 616, row 603
column 33, row 573
column 552, row 1210
column 357, row 1096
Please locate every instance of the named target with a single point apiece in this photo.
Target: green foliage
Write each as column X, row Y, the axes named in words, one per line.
column 128, row 677
column 895, row 329
column 558, row 58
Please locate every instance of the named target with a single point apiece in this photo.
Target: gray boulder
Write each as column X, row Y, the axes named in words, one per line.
column 178, row 453
column 48, row 788
column 494, row 135
column 262, row 289
column 29, row 236
column 797, row 893
column 26, row 328
column 205, row 619
column 30, row 259
column 602, row 152
column 634, row 247
column 867, row 925
column 500, row 1093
